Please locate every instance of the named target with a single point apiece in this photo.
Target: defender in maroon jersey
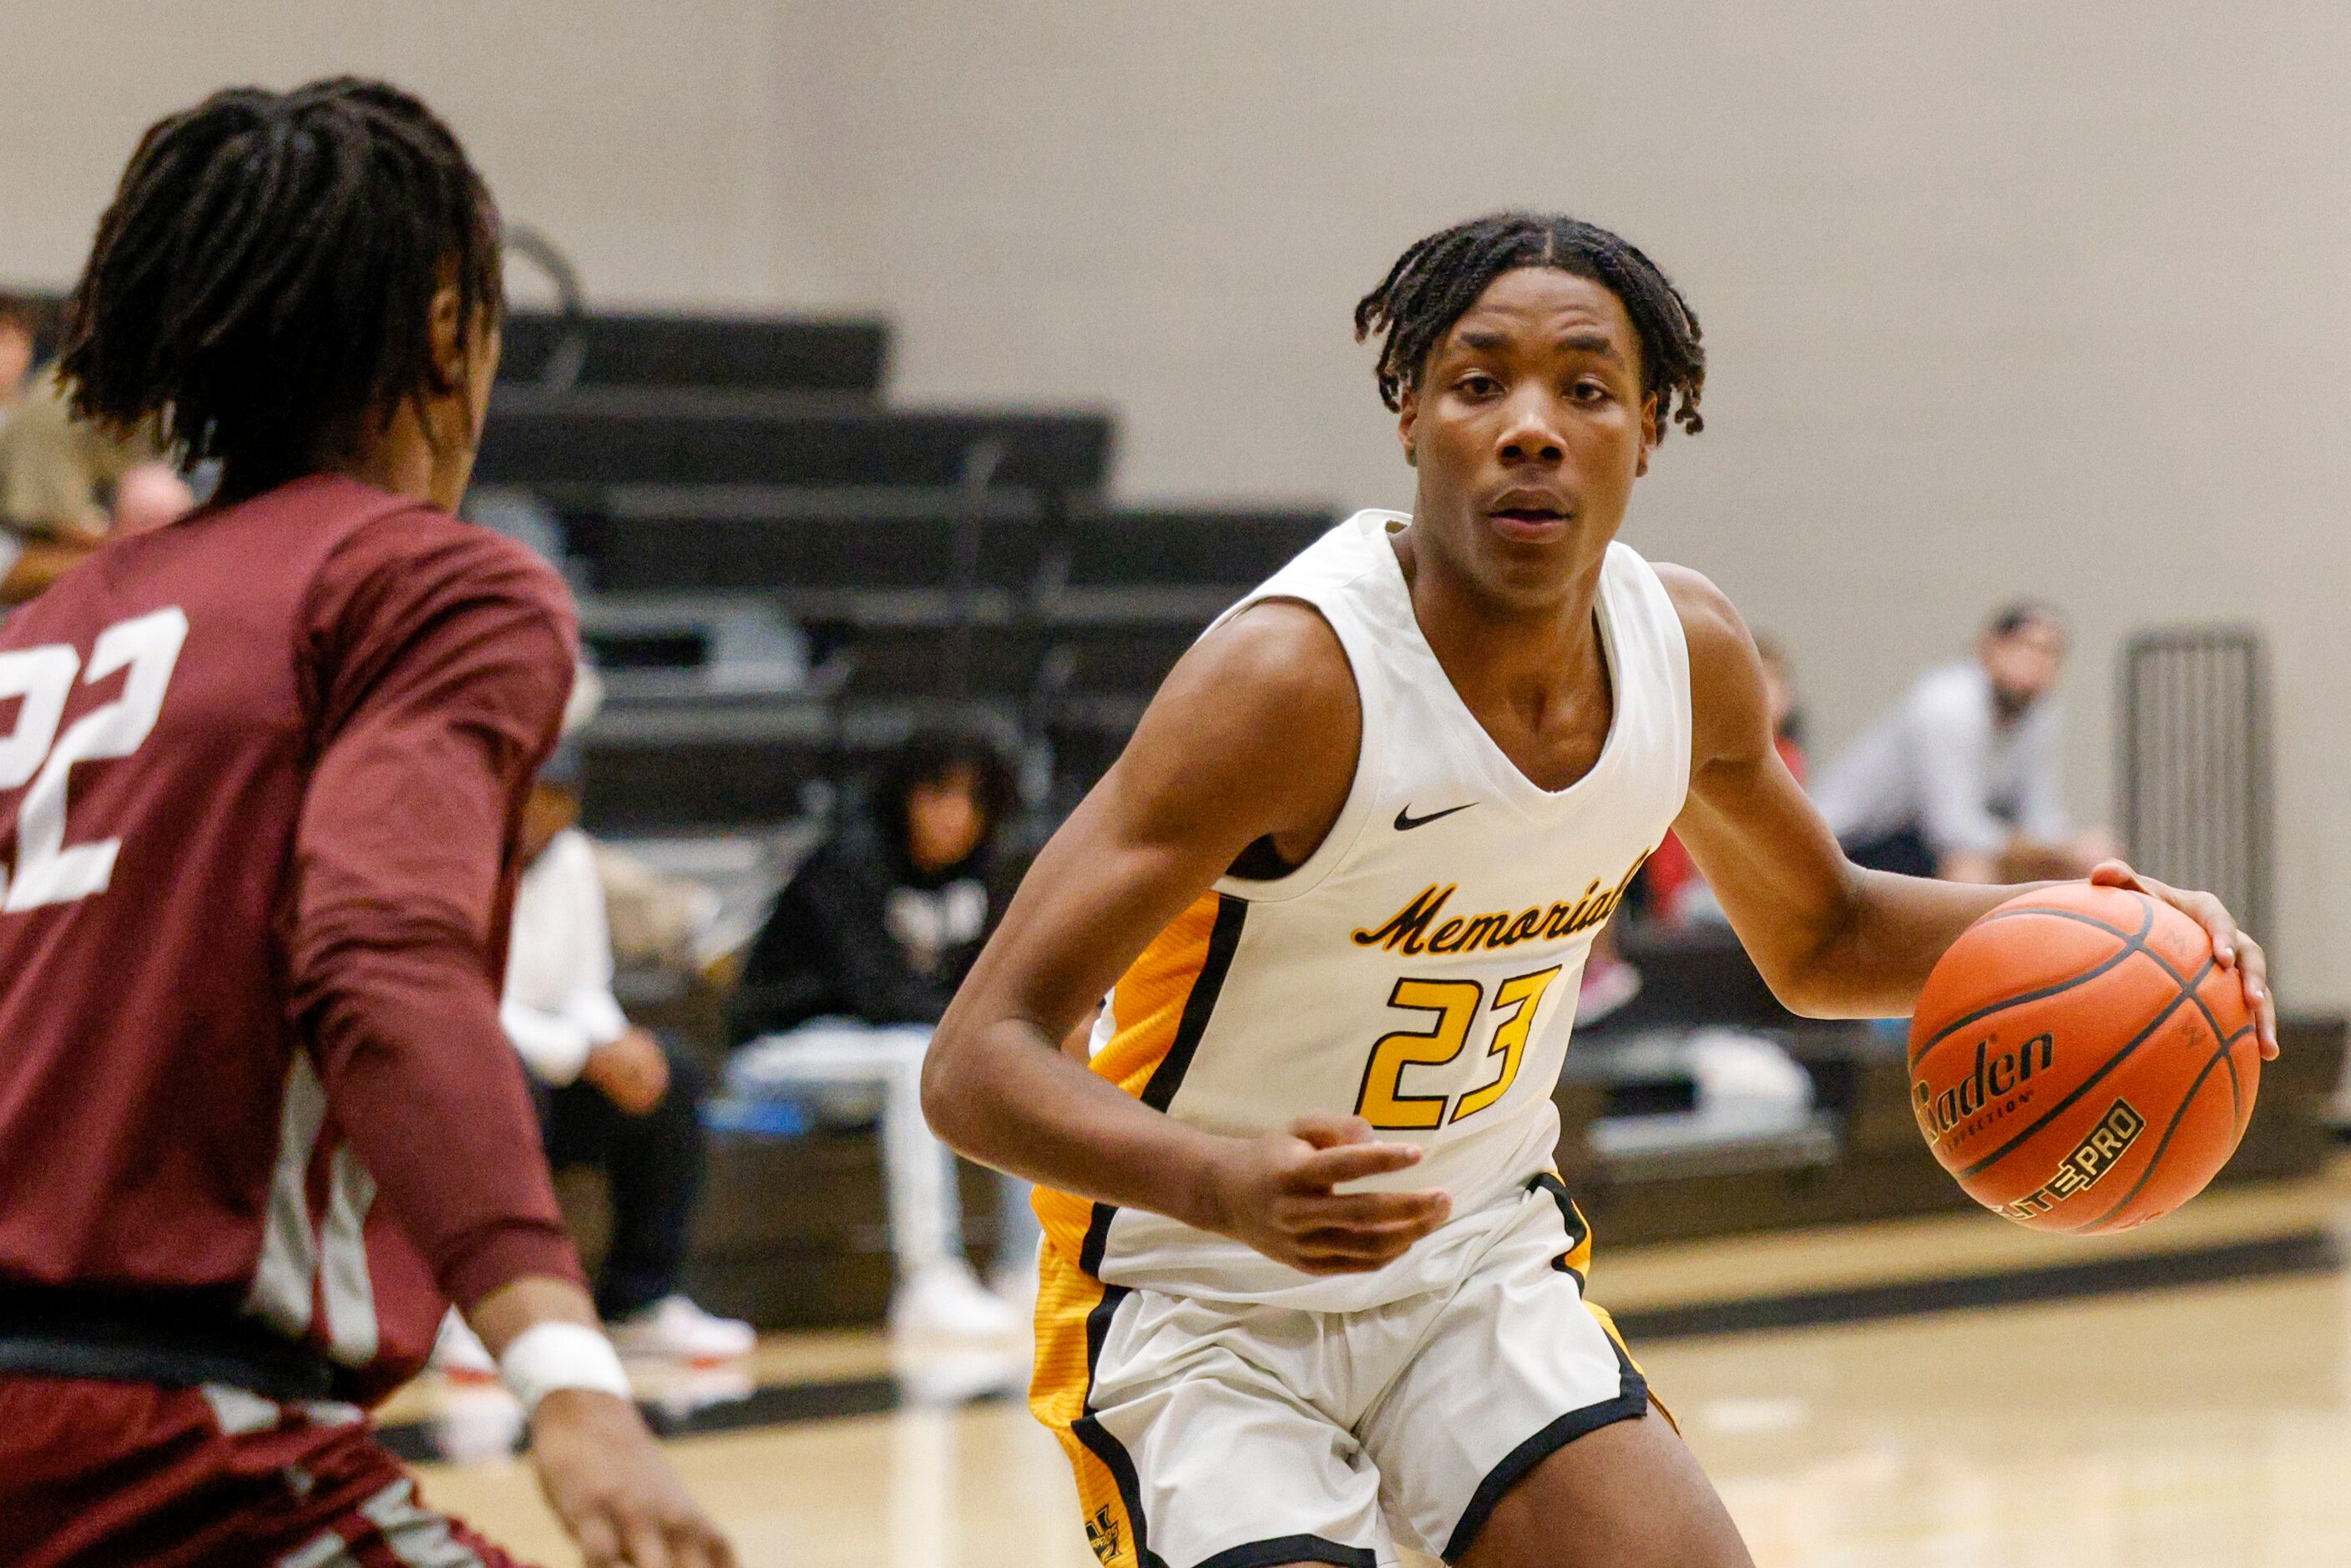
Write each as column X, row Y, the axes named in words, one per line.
column 261, row 774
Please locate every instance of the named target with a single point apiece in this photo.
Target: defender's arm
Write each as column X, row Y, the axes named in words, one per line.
column 1254, row 735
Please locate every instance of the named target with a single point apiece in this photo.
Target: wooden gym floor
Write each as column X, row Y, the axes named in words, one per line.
column 1929, row 1394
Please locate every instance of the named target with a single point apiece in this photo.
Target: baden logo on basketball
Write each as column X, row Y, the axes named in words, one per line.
column 1995, row 1086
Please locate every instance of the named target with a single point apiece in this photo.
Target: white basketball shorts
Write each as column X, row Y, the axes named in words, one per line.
column 1226, row 1434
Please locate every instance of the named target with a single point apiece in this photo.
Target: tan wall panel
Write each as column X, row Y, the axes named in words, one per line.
column 2002, row 298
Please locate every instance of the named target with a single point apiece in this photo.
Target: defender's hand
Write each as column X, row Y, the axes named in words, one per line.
column 630, row 1070
column 2232, row 947
column 1274, row 1194
column 611, row 1489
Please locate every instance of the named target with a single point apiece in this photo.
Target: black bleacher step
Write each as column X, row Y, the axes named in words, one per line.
column 781, row 353
column 749, row 536
column 852, row 551
column 1167, row 544
column 572, row 445
column 805, row 722
column 1179, row 608
column 1008, row 661
column 715, row 762
column 681, row 785
column 693, row 504
column 720, row 761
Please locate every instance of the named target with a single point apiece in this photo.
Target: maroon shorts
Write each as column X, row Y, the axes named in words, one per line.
column 98, row 1474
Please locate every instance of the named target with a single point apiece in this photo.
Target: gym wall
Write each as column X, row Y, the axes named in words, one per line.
column 2001, row 298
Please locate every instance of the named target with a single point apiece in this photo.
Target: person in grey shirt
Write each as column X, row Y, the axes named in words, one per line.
column 1963, row 780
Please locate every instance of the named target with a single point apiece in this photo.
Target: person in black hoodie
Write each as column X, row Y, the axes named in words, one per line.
column 883, row 919
column 857, row 959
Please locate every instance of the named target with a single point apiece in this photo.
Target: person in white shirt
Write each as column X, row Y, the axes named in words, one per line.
column 1963, row 780
column 612, row 1095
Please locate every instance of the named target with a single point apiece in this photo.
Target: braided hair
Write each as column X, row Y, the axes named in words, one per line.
column 262, row 286
column 1437, row 281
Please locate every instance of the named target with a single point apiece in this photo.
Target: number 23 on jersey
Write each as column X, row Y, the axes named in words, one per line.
column 40, row 682
column 1382, row 1101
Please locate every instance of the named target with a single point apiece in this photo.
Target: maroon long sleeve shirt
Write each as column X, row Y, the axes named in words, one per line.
column 261, row 774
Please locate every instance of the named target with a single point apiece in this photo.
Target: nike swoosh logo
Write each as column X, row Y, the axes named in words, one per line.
column 1406, row 822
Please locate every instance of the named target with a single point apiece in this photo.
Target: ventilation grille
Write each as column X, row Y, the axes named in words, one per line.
column 2194, row 769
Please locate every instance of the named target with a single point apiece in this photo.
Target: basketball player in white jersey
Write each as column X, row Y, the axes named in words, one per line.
column 1310, row 1289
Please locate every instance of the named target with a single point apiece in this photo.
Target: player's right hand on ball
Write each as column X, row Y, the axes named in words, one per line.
column 1275, row 1194
column 613, row 1490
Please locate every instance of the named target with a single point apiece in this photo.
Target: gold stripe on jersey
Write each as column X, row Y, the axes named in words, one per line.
column 1068, row 1301
column 1147, row 1007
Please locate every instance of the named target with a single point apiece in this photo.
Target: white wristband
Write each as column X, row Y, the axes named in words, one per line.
column 547, row 1356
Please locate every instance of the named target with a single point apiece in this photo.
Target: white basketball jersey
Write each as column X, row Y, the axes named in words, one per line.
column 1420, row 969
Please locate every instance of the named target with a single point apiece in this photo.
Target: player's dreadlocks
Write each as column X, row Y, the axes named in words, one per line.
column 263, row 283
column 1435, row 281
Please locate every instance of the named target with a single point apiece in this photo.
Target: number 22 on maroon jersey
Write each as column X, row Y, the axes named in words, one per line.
column 48, row 870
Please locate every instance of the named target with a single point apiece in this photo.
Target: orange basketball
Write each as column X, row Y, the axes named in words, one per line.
column 2080, row 1062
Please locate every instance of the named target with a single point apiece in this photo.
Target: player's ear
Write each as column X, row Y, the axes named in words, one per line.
column 445, row 337
column 464, row 360
column 1408, row 419
column 1650, row 431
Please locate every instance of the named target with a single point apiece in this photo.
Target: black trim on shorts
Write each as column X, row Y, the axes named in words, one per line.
column 1293, row 1549
column 1632, row 1402
column 1224, row 936
column 1097, row 1437
column 1097, row 1242
column 1578, row 1232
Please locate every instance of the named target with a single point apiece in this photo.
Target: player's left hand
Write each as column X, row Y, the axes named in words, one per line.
column 614, row 1493
column 2231, row 948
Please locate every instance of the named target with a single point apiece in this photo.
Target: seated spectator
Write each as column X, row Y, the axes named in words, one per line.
column 857, row 961
column 19, row 324
column 29, row 563
column 1676, row 892
column 65, row 483
column 612, row 1096
column 1963, row 780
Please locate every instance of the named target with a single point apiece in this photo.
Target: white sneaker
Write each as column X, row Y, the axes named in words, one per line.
column 459, row 1355
column 947, row 1299
column 675, row 1327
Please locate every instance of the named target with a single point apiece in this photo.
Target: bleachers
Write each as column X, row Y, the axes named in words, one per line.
column 575, row 443
column 1054, row 667
column 844, row 356
column 806, row 546
column 790, row 541
column 782, row 572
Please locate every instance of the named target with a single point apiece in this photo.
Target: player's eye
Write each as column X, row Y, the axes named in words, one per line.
column 1589, row 391
column 1476, row 385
